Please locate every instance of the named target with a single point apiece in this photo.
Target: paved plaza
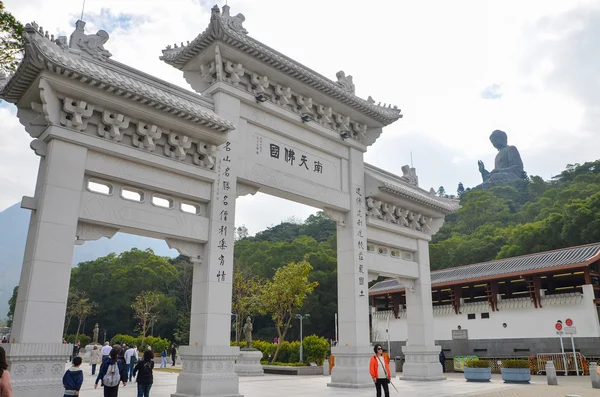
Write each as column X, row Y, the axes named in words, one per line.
column 316, row 386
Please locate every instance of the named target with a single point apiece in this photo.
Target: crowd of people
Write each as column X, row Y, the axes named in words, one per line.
column 119, row 364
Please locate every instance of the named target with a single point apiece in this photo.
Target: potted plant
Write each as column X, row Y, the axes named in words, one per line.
column 516, row 371
column 478, row 371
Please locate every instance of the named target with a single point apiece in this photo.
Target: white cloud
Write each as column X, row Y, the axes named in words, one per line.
column 431, row 58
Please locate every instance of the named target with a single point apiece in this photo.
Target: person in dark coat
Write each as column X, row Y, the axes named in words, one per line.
column 73, row 378
column 143, row 374
column 443, row 360
column 173, row 354
column 113, row 358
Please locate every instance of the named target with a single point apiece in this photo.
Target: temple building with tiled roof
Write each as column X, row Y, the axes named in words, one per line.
column 506, row 307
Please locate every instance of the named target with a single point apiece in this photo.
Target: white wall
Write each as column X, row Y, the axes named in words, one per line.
column 521, row 318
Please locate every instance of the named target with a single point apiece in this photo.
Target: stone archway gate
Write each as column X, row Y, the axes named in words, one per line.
column 124, row 151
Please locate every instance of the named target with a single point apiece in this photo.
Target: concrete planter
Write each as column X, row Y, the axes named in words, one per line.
column 516, row 375
column 478, row 374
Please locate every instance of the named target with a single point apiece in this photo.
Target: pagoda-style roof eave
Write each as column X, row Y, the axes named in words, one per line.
column 400, row 187
column 219, row 31
column 42, row 54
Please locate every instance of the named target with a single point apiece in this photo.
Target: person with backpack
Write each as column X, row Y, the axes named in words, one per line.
column 73, row 378
column 163, row 357
column 131, row 358
column 143, row 370
column 380, row 371
column 112, row 371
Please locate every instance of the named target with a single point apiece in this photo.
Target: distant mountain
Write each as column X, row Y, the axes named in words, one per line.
column 14, row 223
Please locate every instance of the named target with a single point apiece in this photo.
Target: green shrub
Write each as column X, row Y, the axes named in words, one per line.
column 515, row 364
column 123, row 338
column 477, row 364
column 84, row 339
column 315, row 349
column 157, row 343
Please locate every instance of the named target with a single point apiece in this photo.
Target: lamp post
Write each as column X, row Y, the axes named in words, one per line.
column 301, row 317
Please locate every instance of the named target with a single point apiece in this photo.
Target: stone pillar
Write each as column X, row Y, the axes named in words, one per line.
column 353, row 352
column 36, row 354
column 594, row 376
column 421, row 354
column 208, row 361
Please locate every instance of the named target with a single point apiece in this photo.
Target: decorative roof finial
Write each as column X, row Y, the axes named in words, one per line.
column 89, row 44
column 345, row 81
column 234, row 23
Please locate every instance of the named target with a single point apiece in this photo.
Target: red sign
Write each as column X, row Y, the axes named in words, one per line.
column 569, row 322
column 558, row 326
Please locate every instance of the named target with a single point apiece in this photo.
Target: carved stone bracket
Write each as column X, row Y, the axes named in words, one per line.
column 39, row 147
column 148, row 134
column 205, row 155
column 178, row 144
column 337, row 216
column 112, row 125
column 90, row 232
column 194, row 251
column 244, row 190
column 235, row 72
column 75, row 114
column 399, row 216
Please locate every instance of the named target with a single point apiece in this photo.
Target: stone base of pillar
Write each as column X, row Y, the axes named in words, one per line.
column 37, row 369
column 248, row 363
column 351, row 368
column 208, row 371
column 422, row 363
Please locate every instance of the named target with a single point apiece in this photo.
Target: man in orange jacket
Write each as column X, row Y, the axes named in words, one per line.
column 380, row 371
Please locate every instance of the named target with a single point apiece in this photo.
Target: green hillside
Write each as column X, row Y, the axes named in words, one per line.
column 530, row 216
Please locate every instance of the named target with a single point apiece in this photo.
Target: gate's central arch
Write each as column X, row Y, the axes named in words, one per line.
column 264, row 122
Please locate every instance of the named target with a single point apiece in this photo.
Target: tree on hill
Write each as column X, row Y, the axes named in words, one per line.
column 526, row 217
column 11, row 41
column 460, row 190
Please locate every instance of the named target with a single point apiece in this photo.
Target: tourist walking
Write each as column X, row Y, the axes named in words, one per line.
column 111, row 372
column 173, row 354
column 163, row 358
column 73, row 378
column 105, row 351
column 5, row 382
column 131, row 358
column 143, row 374
column 94, row 358
column 380, row 371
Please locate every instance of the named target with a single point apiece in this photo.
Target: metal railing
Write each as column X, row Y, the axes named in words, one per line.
column 564, row 363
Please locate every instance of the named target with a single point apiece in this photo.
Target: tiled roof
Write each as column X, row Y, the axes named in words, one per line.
column 219, row 29
column 399, row 186
column 44, row 54
column 565, row 257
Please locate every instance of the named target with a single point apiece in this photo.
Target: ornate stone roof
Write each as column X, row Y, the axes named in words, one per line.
column 86, row 60
column 571, row 257
column 228, row 29
column 406, row 187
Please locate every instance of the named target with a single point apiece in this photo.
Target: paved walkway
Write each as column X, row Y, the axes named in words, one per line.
column 316, row 386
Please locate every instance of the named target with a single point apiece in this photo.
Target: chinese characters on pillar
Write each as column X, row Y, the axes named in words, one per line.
column 224, row 181
column 361, row 241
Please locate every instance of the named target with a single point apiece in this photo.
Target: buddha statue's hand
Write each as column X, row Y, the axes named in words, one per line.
column 481, row 166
